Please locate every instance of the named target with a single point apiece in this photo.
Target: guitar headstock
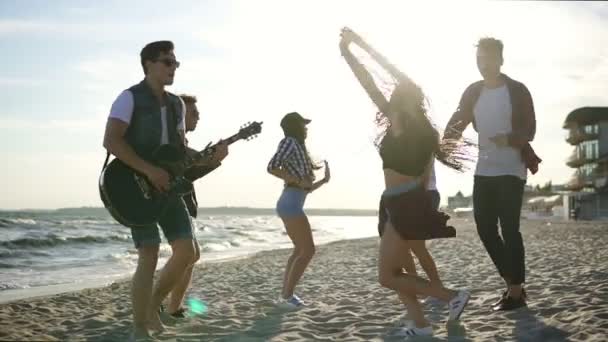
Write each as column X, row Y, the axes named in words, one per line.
column 250, row 130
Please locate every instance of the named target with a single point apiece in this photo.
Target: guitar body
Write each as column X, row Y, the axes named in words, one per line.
column 134, row 202
column 130, row 198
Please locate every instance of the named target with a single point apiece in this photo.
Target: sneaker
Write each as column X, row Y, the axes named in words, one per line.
column 457, row 305
column 505, row 294
column 502, row 298
column 405, row 321
column 180, row 313
column 510, row 303
column 413, row 332
column 293, row 302
column 431, row 301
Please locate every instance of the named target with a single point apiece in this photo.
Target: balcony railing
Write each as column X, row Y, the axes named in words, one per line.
column 597, row 179
column 576, row 136
column 600, row 176
column 579, row 181
column 600, row 170
column 576, row 160
column 600, row 182
column 575, row 183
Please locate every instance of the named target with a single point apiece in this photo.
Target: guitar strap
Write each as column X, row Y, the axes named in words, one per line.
column 106, row 162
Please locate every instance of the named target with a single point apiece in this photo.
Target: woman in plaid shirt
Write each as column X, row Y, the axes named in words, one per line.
column 293, row 165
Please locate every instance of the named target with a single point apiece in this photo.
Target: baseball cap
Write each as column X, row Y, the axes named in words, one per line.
column 293, row 118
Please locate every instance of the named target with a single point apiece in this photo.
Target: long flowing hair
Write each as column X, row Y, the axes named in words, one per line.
column 415, row 121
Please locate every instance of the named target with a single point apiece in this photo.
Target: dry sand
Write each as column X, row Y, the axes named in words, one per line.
column 566, row 284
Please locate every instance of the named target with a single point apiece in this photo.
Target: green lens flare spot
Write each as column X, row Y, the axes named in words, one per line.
column 197, row 307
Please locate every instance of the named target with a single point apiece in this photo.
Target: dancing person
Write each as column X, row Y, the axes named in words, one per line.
column 502, row 113
column 292, row 164
column 408, row 144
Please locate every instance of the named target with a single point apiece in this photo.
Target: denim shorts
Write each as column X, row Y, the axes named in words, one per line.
column 291, row 202
column 175, row 223
column 401, row 188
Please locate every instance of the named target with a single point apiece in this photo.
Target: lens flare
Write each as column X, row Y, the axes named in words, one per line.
column 197, row 307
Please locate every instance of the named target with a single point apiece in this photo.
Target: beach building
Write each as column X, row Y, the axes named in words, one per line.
column 587, row 131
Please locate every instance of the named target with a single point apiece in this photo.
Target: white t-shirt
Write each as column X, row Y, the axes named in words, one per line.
column 493, row 117
column 122, row 109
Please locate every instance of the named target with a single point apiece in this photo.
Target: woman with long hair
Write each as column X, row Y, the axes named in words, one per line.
column 408, row 145
column 292, row 163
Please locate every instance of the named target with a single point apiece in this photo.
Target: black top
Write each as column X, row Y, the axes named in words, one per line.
column 406, row 154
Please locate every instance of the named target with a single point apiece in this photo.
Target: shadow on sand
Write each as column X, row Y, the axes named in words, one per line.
column 529, row 328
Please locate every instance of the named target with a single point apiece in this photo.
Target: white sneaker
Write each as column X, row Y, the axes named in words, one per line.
column 457, row 305
column 413, row 332
column 405, row 321
column 293, row 302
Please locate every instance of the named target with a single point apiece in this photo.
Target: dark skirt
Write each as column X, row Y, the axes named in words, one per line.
column 413, row 216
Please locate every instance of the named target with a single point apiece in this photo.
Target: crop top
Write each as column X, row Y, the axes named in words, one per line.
column 406, row 154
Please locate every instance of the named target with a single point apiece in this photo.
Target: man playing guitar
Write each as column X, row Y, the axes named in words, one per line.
column 143, row 118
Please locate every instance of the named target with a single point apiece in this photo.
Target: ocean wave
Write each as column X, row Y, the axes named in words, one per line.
column 216, row 247
column 8, row 222
column 12, row 286
column 53, row 240
column 87, row 222
column 19, row 253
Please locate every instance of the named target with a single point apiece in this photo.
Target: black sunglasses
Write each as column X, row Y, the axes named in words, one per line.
column 168, row 62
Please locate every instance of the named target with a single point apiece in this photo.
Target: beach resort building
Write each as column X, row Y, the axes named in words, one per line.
column 587, row 132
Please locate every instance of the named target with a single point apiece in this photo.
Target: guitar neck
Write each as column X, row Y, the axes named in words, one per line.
column 231, row 139
column 208, row 152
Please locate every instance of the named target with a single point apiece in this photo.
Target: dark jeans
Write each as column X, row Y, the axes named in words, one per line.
column 494, row 199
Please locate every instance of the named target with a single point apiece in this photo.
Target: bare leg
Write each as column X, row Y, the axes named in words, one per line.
column 176, row 298
column 409, row 265
column 141, row 289
column 410, row 268
column 172, row 272
column 415, row 311
column 298, row 230
column 394, row 256
column 390, row 269
column 288, row 267
column 427, row 263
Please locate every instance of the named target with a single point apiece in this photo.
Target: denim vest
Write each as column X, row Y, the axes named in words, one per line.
column 145, row 130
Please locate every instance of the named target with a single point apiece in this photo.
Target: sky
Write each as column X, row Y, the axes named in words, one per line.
column 64, row 63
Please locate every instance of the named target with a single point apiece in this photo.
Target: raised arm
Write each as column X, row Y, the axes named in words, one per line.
column 365, row 78
column 377, row 56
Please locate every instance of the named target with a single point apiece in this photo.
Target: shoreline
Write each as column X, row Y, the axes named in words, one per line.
column 13, row 295
column 64, row 288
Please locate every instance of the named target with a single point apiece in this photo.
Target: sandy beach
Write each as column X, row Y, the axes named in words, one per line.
column 566, row 284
